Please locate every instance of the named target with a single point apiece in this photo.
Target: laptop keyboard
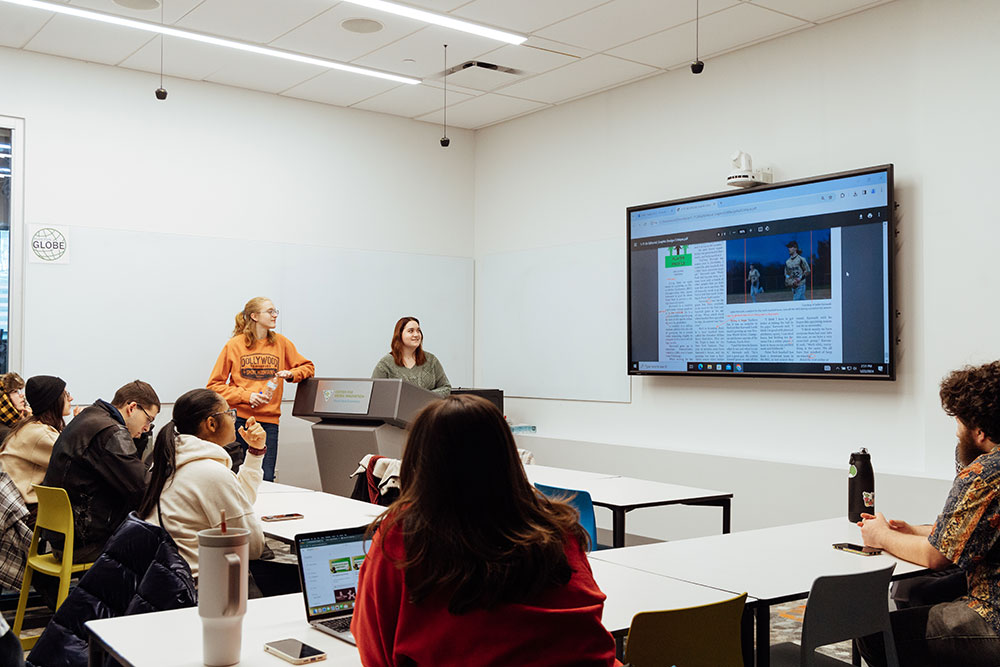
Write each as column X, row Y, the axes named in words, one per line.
column 337, row 624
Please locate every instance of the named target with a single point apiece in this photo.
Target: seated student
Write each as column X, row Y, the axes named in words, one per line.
column 965, row 631
column 476, row 569
column 408, row 361
column 26, row 450
column 191, row 482
column 11, row 653
column 95, row 460
column 12, row 406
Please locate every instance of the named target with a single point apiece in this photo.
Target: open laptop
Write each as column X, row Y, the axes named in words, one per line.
column 329, row 561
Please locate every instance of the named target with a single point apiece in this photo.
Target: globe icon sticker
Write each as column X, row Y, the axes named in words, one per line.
column 48, row 244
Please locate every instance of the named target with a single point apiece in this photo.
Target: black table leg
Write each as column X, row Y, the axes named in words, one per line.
column 618, row 527
column 727, row 514
column 763, row 618
column 746, row 636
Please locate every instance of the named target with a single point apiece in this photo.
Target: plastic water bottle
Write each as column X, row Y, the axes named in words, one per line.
column 269, row 390
column 860, row 486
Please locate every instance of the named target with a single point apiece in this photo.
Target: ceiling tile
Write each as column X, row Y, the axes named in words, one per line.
column 253, row 20
column 522, row 15
column 818, row 10
column 94, row 42
column 527, row 59
column 172, row 9
column 425, row 49
column 270, row 75
column 483, row 110
column 411, row 101
column 323, row 36
column 19, row 24
column 580, row 78
column 622, row 21
column 182, row 58
column 341, row 88
column 720, row 32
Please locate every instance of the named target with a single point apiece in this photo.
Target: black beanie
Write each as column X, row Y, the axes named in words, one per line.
column 43, row 391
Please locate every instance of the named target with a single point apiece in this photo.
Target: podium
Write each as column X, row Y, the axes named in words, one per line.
column 354, row 417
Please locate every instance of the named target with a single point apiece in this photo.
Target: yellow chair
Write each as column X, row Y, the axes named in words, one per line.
column 56, row 514
column 705, row 636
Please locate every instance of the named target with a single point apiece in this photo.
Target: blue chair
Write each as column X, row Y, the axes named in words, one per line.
column 581, row 502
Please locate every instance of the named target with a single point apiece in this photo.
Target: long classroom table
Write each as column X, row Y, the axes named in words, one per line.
column 624, row 494
column 772, row 565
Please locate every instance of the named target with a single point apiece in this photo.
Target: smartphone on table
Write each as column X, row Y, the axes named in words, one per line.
column 294, row 651
column 859, row 549
column 281, row 517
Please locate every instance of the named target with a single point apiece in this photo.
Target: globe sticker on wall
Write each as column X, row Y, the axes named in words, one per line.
column 49, row 244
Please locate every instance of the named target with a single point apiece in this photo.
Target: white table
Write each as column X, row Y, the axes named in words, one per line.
column 772, row 565
column 624, row 494
column 320, row 511
column 173, row 638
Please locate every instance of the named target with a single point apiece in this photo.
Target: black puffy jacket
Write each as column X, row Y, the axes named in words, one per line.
column 139, row 571
column 95, row 460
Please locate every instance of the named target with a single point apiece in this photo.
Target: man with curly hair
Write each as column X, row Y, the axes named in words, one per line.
column 965, row 631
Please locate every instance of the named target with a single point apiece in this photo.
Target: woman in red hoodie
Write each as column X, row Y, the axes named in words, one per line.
column 471, row 566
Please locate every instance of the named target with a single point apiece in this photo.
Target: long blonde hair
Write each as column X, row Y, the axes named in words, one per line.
column 246, row 325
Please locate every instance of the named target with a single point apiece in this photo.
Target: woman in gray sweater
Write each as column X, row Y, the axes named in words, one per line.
column 408, row 361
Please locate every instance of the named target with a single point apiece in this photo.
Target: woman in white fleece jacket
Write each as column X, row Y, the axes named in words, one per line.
column 192, row 481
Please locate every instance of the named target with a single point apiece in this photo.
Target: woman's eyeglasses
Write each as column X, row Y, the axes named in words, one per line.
column 231, row 412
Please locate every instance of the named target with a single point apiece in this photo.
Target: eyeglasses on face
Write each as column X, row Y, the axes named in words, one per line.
column 231, row 412
column 273, row 312
column 149, row 420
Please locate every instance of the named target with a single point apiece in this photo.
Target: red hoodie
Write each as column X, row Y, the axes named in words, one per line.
column 561, row 627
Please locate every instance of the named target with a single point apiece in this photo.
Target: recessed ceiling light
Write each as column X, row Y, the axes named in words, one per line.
column 361, row 26
column 139, row 4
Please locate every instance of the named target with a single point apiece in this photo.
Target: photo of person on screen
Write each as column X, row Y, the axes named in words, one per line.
column 753, row 277
column 796, row 271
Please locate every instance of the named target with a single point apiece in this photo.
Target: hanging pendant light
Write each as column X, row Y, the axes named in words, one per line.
column 697, row 67
column 161, row 92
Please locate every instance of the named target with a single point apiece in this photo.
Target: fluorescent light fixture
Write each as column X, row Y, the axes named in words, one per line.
column 441, row 20
column 206, row 39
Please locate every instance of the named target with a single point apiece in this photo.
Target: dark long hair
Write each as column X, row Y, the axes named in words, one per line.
column 51, row 416
column 190, row 410
column 396, row 347
column 482, row 539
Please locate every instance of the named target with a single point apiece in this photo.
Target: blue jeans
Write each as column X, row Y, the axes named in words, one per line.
column 271, row 457
column 799, row 293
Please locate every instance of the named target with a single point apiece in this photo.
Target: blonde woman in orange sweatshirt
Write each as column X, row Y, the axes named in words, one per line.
column 252, row 358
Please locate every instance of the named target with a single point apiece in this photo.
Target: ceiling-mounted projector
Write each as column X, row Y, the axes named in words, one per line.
column 743, row 175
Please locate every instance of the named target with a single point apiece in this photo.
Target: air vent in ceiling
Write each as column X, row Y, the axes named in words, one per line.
column 480, row 75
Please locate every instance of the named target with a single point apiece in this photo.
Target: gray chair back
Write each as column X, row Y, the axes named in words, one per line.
column 848, row 606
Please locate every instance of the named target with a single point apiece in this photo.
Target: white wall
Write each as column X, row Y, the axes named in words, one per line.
column 213, row 161
column 906, row 83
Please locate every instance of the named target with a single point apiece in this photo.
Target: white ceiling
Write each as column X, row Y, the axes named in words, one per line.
column 575, row 47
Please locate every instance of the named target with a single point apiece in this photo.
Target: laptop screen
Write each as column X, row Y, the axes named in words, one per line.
column 329, row 564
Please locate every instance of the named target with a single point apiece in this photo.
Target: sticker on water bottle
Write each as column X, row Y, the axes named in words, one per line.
column 852, row 471
column 869, row 497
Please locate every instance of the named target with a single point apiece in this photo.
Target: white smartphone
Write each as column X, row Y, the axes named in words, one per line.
column 294, row 651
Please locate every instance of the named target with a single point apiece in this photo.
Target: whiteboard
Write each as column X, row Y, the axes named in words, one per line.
column 551, row 322
column 159, row 307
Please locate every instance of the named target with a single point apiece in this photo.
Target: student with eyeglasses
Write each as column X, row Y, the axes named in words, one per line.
column 191, row 481
column 253, row 357
column 95, row 460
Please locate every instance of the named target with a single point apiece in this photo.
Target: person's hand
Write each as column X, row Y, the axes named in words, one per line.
column 874, row 527
column 257, row 400
column 253, row 434
column 77, row 409
column 901, row 526
column 284, row 374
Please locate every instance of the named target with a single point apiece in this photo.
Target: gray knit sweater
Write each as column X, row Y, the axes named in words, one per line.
column 429, row 375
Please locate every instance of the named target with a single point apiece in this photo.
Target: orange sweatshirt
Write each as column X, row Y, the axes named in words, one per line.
column 241, row 371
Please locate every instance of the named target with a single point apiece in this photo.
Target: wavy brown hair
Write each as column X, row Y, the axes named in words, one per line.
column 972, row 394
column 245, row 325
column 481, row 538
column 396, row 347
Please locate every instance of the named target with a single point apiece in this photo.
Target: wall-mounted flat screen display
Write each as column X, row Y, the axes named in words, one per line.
column 792, row 279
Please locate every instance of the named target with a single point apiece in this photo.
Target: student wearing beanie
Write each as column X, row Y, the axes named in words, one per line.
column 26, row 450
